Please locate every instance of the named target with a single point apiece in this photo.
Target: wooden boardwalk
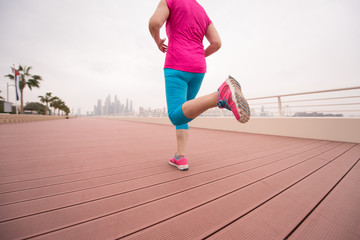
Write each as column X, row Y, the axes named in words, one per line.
column 107, row 179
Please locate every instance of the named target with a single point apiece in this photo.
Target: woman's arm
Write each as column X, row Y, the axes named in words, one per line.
column 214, row 39
column 156, row 22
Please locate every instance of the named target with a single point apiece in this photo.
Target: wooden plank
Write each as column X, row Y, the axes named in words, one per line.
column 338, row 216
column 137, row 217
column 131, row 171
column 207, row 219
column 127, row 161
column 27, row 156
column 279, row 216
column 96, row 187
column 26, row 208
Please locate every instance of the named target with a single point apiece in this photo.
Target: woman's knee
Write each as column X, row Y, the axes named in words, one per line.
column 173, row 118
column 177, row 122
column 177, row 117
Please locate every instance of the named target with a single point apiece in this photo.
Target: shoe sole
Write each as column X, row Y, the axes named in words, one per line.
column 238, row 98
column 180, row 167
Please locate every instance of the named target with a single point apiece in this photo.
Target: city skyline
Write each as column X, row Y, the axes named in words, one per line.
column 115, row 107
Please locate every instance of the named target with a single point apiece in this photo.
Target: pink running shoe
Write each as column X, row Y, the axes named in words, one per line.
column 181, row 164
column 231, row 98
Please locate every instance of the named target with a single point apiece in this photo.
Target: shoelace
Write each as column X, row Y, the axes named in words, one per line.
column 223, row 104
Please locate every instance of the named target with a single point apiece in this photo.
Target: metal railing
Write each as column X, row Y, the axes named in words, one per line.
column 326, row 103
column 342, row 102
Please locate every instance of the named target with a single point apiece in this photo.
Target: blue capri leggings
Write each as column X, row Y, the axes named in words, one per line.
column 180, row 87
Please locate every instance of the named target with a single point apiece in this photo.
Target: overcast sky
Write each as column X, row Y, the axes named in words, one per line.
column 88, row 49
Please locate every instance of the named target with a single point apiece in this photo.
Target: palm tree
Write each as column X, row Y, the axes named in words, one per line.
column 64, row 108
column 26, row 79
column 52, row 102
column 46, row 99
column 61, row 107
column 67, row 111
column 56, row 104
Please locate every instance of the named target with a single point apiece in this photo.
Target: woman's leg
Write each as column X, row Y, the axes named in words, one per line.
column 193, row 108
column 181, row 90
column 182, row 138
column 197, row 106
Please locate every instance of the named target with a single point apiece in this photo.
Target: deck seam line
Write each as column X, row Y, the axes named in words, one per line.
column 318, row 204
column 231, row 192
column 62, row 175
column 253, row 159
column 131, row 171
column 284, row 190
column 169, row 195
column 85, row 179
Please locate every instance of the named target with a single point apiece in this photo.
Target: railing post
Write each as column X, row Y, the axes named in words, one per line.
column 279, row 106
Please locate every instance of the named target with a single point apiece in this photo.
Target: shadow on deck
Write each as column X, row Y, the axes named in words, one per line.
column 104, row 179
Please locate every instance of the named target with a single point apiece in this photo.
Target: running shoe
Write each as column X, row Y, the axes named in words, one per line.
column 231, row 98
column 181, row 164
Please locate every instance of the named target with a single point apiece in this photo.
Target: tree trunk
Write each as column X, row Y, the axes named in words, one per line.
column 22, row 101
column 46, row 108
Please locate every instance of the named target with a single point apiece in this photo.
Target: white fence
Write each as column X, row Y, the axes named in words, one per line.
column 343, row 102
column 327, row 115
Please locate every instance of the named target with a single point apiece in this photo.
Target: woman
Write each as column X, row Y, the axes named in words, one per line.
column 186, row 26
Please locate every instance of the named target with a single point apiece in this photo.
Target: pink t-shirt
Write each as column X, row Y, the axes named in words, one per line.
column 186, row 28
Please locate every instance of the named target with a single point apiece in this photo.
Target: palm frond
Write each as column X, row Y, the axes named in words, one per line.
column 47, row 98
column 37, row 77
column 34, row 82
column 10, row 76
column 42, row 99
column 54, row 99
column 27, row 70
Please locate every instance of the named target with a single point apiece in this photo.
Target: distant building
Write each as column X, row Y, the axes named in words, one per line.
column 98, row 108
column 114, row 108
column 316, row 114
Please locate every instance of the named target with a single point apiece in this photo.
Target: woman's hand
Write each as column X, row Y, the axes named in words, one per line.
column 162, row 46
